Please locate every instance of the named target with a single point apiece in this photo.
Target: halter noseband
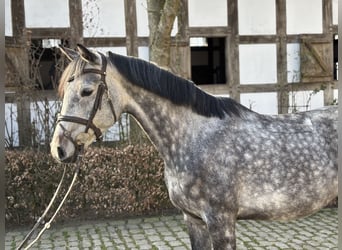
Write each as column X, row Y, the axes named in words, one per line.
column 102, row 88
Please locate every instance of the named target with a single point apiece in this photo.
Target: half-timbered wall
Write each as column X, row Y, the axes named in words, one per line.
column 275, row 56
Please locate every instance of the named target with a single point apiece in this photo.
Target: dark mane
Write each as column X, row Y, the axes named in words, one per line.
column 176, row 89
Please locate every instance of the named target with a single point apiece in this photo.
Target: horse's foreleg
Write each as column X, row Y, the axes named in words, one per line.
column 222, row 232
column 199, row 234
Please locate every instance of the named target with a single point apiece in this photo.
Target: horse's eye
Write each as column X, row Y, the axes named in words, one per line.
column 86, row 92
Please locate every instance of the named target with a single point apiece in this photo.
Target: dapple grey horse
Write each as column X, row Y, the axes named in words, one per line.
column 223, row 162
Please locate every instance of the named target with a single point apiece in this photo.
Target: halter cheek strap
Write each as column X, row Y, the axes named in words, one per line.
column 78, row 148
column 88, row 122
column 102, row 88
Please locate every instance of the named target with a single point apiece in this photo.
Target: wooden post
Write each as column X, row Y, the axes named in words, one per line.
column 20, row 61
column 24, row 120
column 327, row 29
column 76, row 23
column 131, row 28
column 180, row 54
column 232, row 50
column 283, row 95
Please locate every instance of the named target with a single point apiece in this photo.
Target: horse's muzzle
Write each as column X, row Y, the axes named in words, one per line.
column 62, row 156
column 64, row 148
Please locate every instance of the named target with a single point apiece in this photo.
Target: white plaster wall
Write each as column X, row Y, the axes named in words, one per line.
column 264, row 103
column 8, row 18
column 47, row 14
column 304, row 16
column 258, row 63
column 198, row 42
column 336, row 94
column 143, row 53
column 207, row 13
column 306, row 100
column 257, row 17
column 335, row 11
column 293, row 62
column 104, row 18
column 142, row 18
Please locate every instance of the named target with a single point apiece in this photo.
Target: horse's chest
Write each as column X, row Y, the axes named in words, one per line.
column 183, row 193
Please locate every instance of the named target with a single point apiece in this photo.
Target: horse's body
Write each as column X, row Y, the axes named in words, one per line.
column 223, row 162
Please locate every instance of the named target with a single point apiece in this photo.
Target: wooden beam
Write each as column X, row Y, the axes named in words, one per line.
column 105, row 41
column 76, row 22
column 18, row 19
column 283, row 99
column 131, row 27
column 232, row 51
column 208, row 31
column 316, row 37
column 57, row 33
column 329, row 31
column 258, row 39
column 327, row 16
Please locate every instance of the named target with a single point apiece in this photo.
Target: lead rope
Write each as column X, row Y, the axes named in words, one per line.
column 40, row 220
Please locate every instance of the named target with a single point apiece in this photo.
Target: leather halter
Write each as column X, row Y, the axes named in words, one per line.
column 102, row 88
column 89, row 124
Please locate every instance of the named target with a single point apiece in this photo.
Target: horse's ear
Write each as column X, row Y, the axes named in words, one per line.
column 86, row 54
column 69, row 53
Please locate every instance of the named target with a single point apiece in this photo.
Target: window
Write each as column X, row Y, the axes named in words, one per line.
column 208, row 61
column 45, row 64
column 335, row 51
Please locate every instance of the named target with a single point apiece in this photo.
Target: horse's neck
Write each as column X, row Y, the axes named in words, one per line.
column 169, row 126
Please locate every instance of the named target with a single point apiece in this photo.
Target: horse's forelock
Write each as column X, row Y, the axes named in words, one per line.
column 73, row 69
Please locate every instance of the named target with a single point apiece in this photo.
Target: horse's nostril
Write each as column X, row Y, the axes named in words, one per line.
column 61, row 153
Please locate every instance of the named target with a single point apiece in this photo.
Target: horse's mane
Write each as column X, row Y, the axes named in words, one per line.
column 176, row 89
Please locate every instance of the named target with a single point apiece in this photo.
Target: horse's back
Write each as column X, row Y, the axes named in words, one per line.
column 294, row 172
column 266, row 167
column 282, row 166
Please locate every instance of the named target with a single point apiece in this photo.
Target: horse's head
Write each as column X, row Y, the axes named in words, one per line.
column 88, row 107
